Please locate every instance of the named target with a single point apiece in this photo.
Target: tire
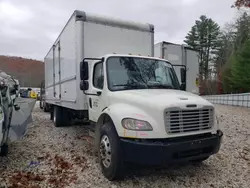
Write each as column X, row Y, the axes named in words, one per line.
column 66, row 117
column 109, row 153
column 4, row 150
column 61, row 116
column 200, row 160
column 57, row 116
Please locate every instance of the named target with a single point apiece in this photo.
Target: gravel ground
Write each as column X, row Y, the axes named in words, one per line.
column 62, row 157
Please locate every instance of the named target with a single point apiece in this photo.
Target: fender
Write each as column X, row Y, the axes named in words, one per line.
column 119, row 111
column 116, row 113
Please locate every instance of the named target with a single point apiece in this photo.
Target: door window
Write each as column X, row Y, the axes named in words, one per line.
column 98, row 76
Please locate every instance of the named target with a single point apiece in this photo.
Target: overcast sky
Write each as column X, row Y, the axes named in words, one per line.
column 28, row 28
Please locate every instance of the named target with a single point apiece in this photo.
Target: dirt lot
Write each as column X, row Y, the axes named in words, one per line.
column 61, row 157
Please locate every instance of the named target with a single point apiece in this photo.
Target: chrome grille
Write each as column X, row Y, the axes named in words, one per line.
column 179, row 121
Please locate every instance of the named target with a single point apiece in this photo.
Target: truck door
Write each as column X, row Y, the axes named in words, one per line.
column 96, row 100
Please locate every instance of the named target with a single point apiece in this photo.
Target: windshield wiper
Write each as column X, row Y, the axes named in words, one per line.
column 131, row 86
column 161, row 86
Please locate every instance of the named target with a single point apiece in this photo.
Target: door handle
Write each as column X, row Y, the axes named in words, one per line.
column 90, row 102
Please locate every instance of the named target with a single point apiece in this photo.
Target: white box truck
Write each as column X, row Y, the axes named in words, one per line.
column 103, row 70
column 181, row 55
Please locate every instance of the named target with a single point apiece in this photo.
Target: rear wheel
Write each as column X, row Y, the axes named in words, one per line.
column 61, row 116
column 110, row 156
column 57, row 116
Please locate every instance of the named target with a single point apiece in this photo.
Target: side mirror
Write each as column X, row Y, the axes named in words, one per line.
column 183, row 75
column 84, row 70
column 84, row 85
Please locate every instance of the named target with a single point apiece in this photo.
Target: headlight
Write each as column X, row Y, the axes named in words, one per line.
column 136, row 125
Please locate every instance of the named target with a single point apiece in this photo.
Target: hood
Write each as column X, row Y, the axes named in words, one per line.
column 160, row 98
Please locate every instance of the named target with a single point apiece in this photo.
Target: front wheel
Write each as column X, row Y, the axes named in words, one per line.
column 200, row 160
column 110, row 156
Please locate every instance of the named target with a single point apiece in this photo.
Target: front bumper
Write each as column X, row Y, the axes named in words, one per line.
column 174, row 150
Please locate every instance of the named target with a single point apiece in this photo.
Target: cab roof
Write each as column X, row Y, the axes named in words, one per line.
column 132, row 55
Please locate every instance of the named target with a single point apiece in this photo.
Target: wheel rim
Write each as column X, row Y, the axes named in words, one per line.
column 105, row 151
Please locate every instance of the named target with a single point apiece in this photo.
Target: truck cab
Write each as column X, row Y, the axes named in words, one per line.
column 144, row 115
column 140, row 110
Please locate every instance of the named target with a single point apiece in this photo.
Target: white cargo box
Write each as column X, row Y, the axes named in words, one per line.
column 89, row 36
column 181, row 55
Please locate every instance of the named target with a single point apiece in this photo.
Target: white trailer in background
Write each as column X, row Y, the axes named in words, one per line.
column 178, row 54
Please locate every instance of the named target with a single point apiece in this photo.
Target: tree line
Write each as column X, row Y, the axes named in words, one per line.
column 224, row 52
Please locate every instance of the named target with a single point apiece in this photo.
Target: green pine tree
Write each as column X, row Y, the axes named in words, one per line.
column 242, row 27
column 240, row 71
column 204, row 36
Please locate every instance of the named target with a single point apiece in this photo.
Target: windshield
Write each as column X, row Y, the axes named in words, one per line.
column 140, row 73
